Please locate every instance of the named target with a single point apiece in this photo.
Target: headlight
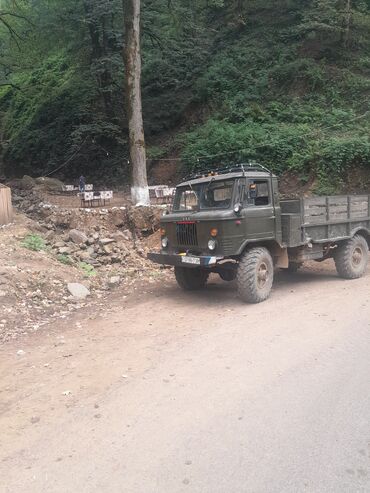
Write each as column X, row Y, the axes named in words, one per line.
column 164, row 242
column 212, row 245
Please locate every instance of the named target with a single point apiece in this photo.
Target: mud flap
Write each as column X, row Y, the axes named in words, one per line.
column 281, row 258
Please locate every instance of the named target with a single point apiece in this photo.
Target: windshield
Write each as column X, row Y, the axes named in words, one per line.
column 210, row 195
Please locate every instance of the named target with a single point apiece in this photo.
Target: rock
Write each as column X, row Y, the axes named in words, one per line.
column 60, row 220
column 78, row 290
column 14, row 183
column 114, row 281
column 77, row 236
column 145, row 218
column 65, row 251
column 27, row 183
column 127, row 234
column 107, row 249
column 21, row 352
column 59, row 244
column 49, row 235
column 84, row 256
column 50, row 184
column 106, row 241
column 118, row 218
column 2, row 293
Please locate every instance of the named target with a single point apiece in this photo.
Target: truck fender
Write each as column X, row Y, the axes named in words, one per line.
column 279, row 253
column 363, row 232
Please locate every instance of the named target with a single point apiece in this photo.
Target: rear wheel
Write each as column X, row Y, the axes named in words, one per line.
column 191, row 279
column 351, row 258
column 255, row 275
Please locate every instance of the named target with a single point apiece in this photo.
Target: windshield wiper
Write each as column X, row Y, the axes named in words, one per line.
column 198, row 201
column 210, row 183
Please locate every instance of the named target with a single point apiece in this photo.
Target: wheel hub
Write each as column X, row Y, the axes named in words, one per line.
column 262, row 275
column 357, row 256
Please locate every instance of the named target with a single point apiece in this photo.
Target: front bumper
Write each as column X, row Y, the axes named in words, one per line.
column 177, row 260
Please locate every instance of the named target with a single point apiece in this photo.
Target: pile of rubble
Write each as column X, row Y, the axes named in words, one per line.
column 83, row 255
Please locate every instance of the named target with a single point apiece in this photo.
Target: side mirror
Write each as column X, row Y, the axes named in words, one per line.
column 238, row 207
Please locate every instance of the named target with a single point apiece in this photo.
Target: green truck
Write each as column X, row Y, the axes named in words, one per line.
column 233, row 223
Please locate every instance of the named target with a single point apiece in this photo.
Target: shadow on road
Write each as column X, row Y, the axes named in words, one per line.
column 218, row 291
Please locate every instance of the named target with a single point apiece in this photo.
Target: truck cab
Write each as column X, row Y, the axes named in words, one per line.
column 221, row 213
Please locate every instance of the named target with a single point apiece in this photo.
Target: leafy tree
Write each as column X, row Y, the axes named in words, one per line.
column 283, row 81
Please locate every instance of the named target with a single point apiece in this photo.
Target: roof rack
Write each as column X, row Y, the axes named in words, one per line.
column 243, row 167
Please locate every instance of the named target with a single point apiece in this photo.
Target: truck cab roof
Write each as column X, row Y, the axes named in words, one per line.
column 252, row 174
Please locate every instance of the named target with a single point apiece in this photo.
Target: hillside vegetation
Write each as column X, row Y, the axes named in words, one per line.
column 286, row 82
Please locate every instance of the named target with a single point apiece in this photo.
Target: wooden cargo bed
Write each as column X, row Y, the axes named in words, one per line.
column 324, row 219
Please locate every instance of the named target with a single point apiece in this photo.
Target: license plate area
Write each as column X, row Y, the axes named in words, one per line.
column 190, row 260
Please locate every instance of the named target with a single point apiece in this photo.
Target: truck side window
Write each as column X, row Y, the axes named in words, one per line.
column 258, row 193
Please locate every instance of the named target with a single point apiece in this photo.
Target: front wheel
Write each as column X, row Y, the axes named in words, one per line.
column 255, row 275
column 191, row 279
column 351, row 258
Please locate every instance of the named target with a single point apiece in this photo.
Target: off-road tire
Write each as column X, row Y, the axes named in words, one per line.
column 351, row 258
column 255, row 275
column 191, row 279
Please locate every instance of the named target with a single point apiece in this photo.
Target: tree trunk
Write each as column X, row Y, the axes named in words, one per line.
column 132, row 56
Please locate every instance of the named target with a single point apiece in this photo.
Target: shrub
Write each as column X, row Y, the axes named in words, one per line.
column 34, row 242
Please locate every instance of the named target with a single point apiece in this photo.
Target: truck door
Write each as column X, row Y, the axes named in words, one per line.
column 259, row 210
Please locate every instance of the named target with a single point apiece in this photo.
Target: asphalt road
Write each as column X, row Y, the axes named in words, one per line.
column 196, row 393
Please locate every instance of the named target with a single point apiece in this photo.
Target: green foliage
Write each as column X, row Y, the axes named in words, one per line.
column 339, row 153
column 65, row 259
column 282, row 81
column 34, row 242
column 328, row 184
column 87, row 269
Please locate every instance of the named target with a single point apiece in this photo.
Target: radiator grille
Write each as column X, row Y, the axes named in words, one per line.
column 186, row 234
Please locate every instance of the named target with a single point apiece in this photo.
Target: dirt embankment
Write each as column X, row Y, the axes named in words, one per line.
column 55, row 260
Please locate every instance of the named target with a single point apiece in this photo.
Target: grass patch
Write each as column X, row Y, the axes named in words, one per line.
column 65, row 259
column 34, row 242
column 87, row 269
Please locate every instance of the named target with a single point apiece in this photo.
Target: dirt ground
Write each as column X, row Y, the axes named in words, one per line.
column 131, row 395
column 33, row 284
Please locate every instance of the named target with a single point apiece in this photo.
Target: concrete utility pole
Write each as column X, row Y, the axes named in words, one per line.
column 132, row 57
